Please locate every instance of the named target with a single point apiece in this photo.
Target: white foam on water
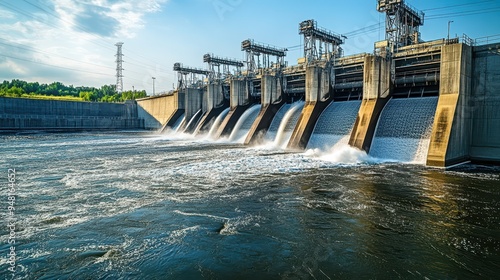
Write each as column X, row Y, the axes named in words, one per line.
column 232, row 226
column 218, row 218
column 342, row 153
column 176, row 236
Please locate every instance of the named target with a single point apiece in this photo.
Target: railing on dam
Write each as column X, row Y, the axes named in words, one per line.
column 487, row 40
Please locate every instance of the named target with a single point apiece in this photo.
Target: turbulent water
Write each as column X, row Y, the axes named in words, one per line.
column 148, row 206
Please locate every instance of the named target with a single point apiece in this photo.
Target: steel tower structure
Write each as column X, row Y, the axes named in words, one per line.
column 320, row 43
column 119, row 67
column 402, row 22
column 215, row 62
column 184, row 71
column 255, row 50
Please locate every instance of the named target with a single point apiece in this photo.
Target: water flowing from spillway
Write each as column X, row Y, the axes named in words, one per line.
column 178, row 123
column 288, row 124
column 244, row 124
column 334, row 125
column 404, row 129
column 217, row 122
column 274, row 128
column 194, row 118
column 275, row 124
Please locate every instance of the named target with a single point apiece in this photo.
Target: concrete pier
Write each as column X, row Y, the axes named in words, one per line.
column 193, row 109
column 376, row 93
column 319, row 94
column 271, row 100
column 213, row 104
column 450, row 140
column 239, row 103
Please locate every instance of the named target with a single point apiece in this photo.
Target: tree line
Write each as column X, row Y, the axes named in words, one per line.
column 106, row 93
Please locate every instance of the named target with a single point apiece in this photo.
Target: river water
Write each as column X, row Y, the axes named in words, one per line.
column 141, row 205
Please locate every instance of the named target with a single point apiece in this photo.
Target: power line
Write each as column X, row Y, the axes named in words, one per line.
column 62, row 67
column 454, row 6
column 363, row 30
column 56, row 66
column 51, row 54
column 465, row 13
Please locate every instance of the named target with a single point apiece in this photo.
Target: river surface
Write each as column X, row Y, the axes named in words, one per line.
column 146, row 206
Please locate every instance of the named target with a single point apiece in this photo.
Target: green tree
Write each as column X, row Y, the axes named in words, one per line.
column 88, row 95
column 12, row 92
column 106, row 93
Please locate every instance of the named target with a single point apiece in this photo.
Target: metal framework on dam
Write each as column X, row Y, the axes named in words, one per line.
column 183, row 72
column 214, row 63
column 319, row 41
column 402, row 22
column 254, row 50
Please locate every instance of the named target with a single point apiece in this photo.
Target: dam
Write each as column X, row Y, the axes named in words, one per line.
column 428, row 102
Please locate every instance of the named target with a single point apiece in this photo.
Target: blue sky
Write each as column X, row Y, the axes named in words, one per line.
column 72, row 41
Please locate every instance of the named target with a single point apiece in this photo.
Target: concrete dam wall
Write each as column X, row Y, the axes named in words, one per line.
column 484, row 105
column 160, row 111
column 32, row 114
column 434, row 103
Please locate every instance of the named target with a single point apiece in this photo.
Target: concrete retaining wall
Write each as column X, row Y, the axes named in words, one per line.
column 158, row 110
column 26, row 114
column 485, row 109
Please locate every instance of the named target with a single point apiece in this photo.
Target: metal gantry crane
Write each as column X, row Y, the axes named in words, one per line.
column 320, row 43
column 255, row 50
column 214, row 66
column 402, row 22
column 183, row 73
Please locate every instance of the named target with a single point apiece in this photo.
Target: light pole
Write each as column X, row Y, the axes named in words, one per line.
column 449, row 23
column 153, row 85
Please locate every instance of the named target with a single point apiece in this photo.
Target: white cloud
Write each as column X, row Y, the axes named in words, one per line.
column 14, row 67
column 80, row 37
column 5, row 14
column 122, row 18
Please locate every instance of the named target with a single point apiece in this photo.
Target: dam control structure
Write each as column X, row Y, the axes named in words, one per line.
column 428, row 102
column 414, row 101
